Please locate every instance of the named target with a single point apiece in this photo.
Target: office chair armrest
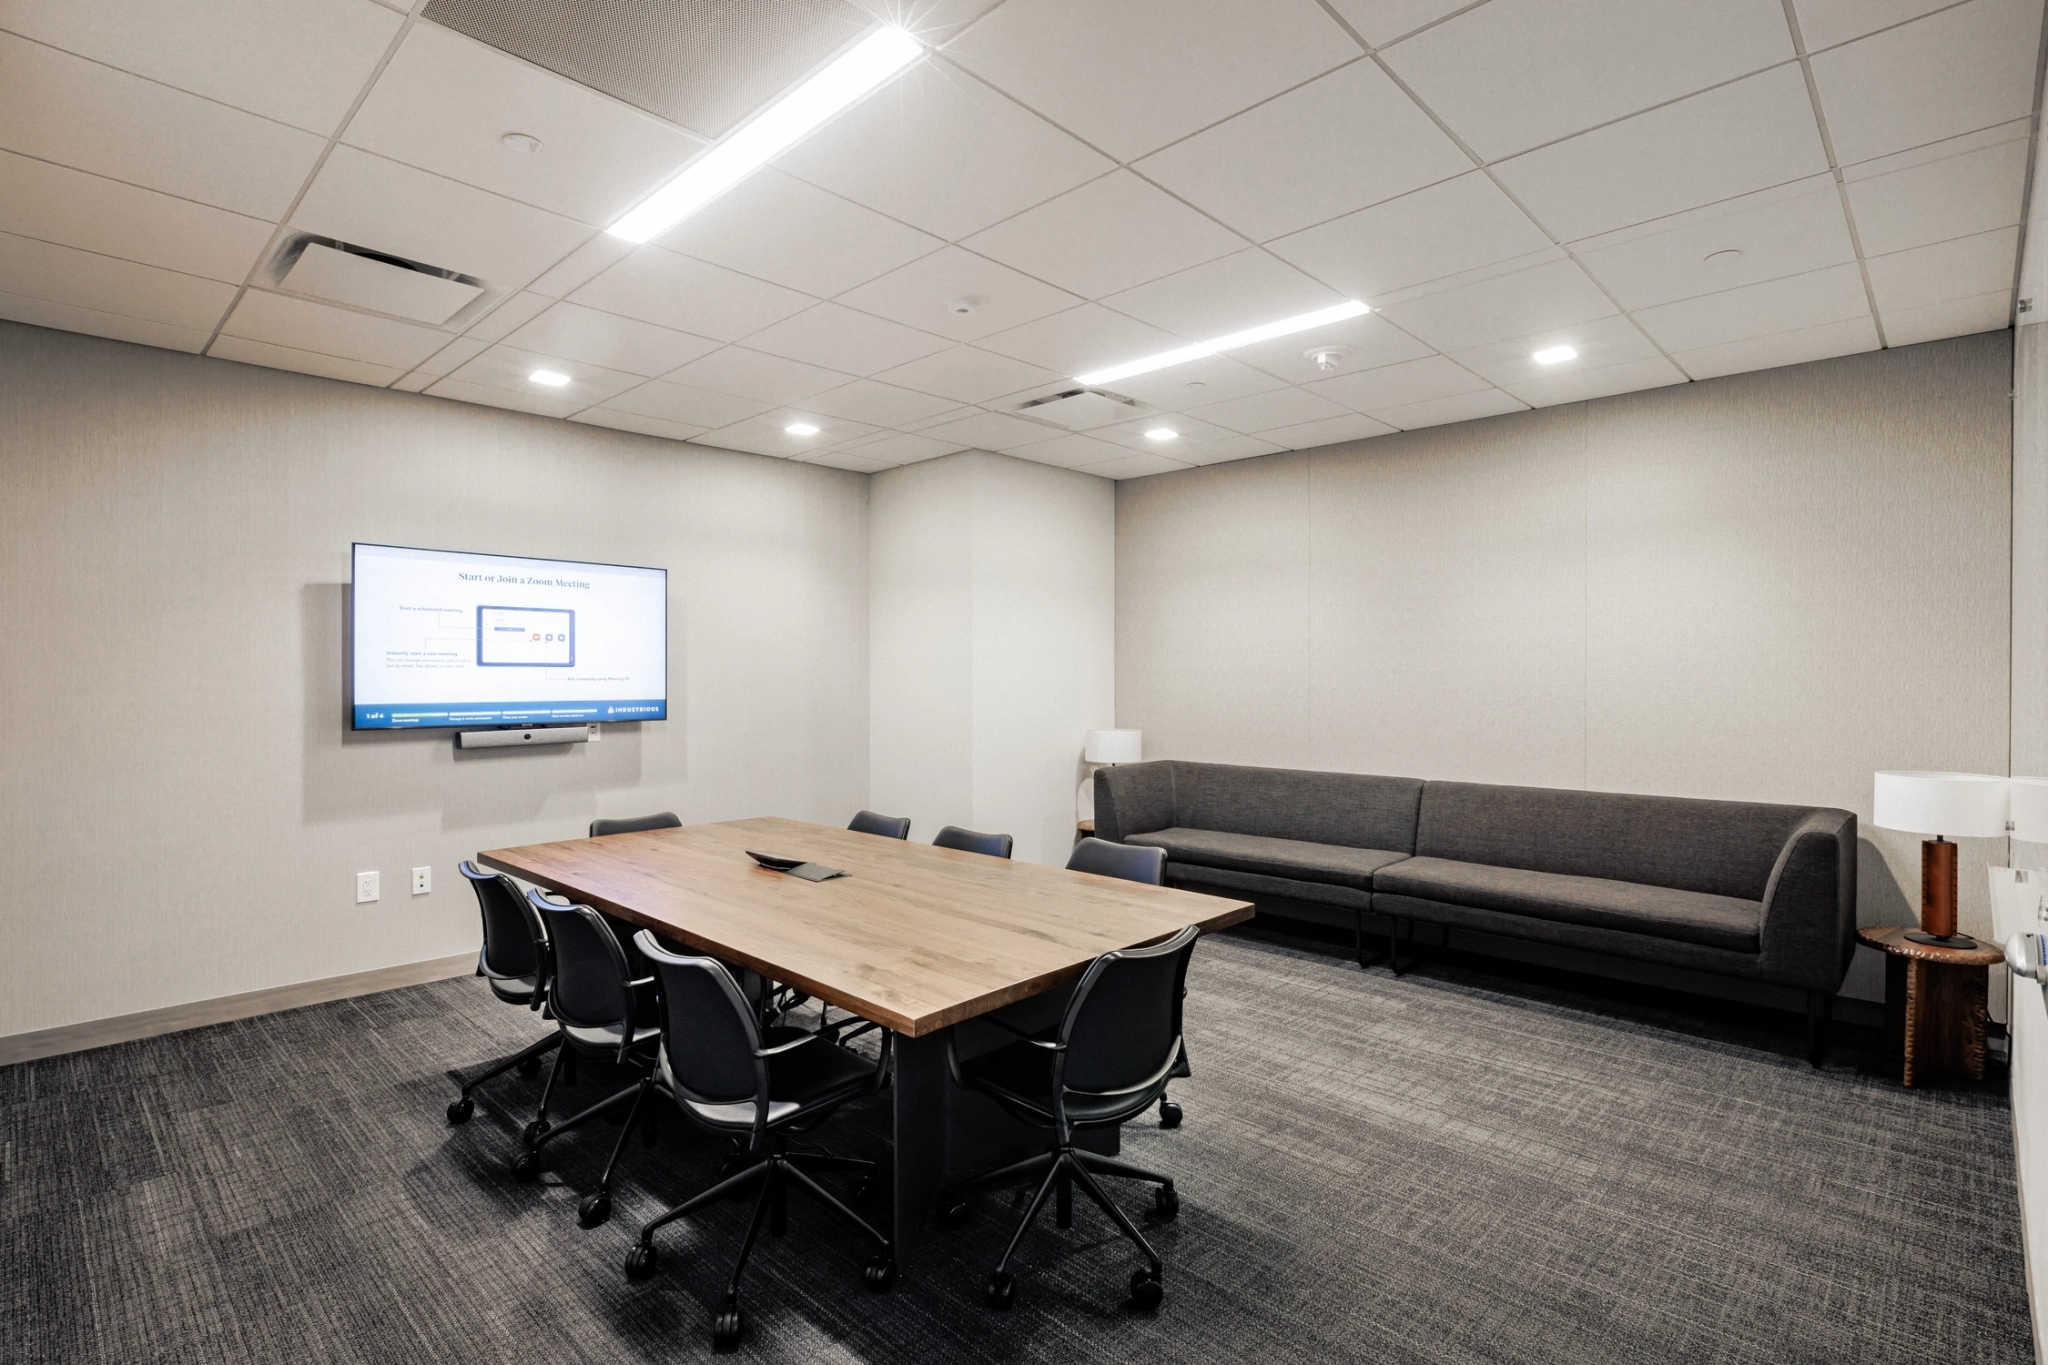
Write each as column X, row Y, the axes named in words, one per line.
column 789, row 1046
column 641, row 981
column 1013, row 1029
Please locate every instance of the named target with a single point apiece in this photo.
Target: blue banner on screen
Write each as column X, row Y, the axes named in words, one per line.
column 446, row 639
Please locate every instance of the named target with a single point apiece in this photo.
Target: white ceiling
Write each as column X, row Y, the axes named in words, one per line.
column 1088, row 180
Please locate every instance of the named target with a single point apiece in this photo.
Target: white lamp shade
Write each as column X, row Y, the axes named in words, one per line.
column 2030, row 809
column 1967, row 805
column 1114, row 746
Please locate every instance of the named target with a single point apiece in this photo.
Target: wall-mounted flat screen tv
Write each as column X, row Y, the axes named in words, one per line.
column 446, row 639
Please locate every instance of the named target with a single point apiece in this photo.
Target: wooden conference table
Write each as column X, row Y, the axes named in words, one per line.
column 917, row 939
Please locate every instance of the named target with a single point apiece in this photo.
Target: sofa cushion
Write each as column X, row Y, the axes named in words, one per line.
column 1294, row 858
column 1260, row 886
column 1347, row 809
column 1692, row 916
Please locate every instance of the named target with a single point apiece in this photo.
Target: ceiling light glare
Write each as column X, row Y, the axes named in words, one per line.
column 801, row 429
column 866, row 65
column 1555, row 355
column 1162, row 434
column 554, row 379
column 1247, row 337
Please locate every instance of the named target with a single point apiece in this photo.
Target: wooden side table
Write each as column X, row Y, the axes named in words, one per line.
column 1084, row 829
column 1934, row 1003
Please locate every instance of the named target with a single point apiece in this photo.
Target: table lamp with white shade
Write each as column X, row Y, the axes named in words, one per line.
column 1113, row 746
column 2029, row 809
column 1970, row 805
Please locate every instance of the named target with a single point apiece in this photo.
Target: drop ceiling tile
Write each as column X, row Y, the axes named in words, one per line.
column 1575, row 385
column 925, row 423
column 1380, row 22
column 851, row 461
column 882, row 405
column 943, row 153
column 415, row 382
column 262, row 353
column 1787, row 230
column 1134, row 76
column 1352, row 426
column 686, row 406
column 1134, row 465
column 844, row 339
column 1081, row 339
column 1227, row 449
column 922, row 295
column 1747, row 136
column 1541, row 299
column 1107, row 235
column 445, row 102
column 1447, row 228
column 1953, row 72
column 573, row 332
column 1339, row 143
column 1796, row 347
column 778, row 228
column 457, row 353
column 1411, row 381
column 1373, row 341
column 62, row 274
column 407, row 212
column 690, row 296
column 582, row 265
column 509, row 316
column 635, row 422
column 991, row 431
column 1600, row 343
column 1758, row 310
column 898, row 448
column 1068, row 452
column 1212, row 379
column 967, row 374
column 90, row 117
column 1187, row 431
column 1459, row 407
column 1929, row 200
column 303, row 325
column 1964, row 268
column 92, row 213
column 1826, row 23
column 509, row 367
column 1990, row 312
column 764, row 435
column 66, row 317
column 245, row 53
column 756, row 374
column 1264, row 411
column 1226, row 295
column 1510, row 76
column 490, row 396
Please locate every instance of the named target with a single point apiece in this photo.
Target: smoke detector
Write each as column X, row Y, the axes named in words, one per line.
column 964, row 305
column 521, row 142
column 1326, row 358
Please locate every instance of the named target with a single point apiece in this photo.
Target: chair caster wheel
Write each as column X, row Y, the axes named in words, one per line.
column 1002, row 1289
column 595, row 1210
column 526, row 1166
column 726, row 1328
column 956, row 1213
column 880, row 1274
column 460, row 1110
column 641, row 1260
column 1146, row 1290
column 1169, row 1114
column 1166, row 1200
column 530, row 1067
column 534, row 1132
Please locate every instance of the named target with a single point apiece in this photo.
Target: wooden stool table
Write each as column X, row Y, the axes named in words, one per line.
column 1934, row 1003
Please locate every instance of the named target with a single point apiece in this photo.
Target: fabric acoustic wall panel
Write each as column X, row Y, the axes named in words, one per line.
column 185, row 808
column 1762, row 587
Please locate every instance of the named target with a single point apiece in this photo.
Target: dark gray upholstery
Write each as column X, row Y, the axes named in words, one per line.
column 1740, row 888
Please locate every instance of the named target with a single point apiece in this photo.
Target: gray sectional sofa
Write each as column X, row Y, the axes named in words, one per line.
column 1737, row 888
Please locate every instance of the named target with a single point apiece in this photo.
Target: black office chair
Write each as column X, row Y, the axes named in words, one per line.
column 636, row 825
column 514, row 962
column 888, row 826
column 1133, row 863
column 593, row 999
column 725, row 1077
column 970, row 841
column 1109, row 1061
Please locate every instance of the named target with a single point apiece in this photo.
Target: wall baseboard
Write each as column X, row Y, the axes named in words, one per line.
column 125, row 1028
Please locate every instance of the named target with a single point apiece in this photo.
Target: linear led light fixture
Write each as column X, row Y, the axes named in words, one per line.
column 1299, row 323
column 867, row 64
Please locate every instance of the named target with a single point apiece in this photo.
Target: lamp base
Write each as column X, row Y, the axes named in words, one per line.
column 1963, row 941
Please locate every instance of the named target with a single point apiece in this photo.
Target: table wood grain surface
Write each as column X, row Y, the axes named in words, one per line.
column 915, row 938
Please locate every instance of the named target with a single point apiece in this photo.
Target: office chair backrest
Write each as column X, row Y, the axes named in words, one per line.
column 515, row 940
column 593, row 980
column 709, row 1034
column 971, row 841
column 888, row 826
column 1122, row 1026
column 664, row 820
column 1132, row 862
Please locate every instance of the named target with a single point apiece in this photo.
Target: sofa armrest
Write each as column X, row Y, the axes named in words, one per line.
column 1133, row 798
column 1809, row 917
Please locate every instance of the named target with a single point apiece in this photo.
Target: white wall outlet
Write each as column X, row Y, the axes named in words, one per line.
column 596, row 733
column 422, row 880
column 366, row 887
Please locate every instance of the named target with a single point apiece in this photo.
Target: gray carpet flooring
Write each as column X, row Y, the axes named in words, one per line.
column 1453, row 1166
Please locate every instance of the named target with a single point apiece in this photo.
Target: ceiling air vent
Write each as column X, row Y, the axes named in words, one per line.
column 362, row 278
column 1083, row 409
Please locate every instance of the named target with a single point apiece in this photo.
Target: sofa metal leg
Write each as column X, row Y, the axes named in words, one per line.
column 1358, row 940
column 1820, row 1019
column 1394, row 962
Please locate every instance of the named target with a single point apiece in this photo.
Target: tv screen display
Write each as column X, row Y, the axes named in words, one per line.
column 447, row 639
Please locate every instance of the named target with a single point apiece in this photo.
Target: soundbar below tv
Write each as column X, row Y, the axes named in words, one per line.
column 444, row 639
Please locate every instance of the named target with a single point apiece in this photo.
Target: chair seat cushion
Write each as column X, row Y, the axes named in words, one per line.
column 1020, row 1076
column 813, row 1074
column 1292, row 858
column 606, row 1037
column 514, row 990
column 1690, row 916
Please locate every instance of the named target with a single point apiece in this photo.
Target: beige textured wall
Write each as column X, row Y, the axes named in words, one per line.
column 183, row 808
column 1762, row 587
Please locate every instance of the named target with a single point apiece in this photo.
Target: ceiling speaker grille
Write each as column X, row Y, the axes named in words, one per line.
column 704, row 64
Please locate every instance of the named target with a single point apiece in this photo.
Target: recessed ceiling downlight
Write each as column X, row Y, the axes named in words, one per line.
column 1301, row 322
column 801, row 429
column 1555, row 355
column 553, row 379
